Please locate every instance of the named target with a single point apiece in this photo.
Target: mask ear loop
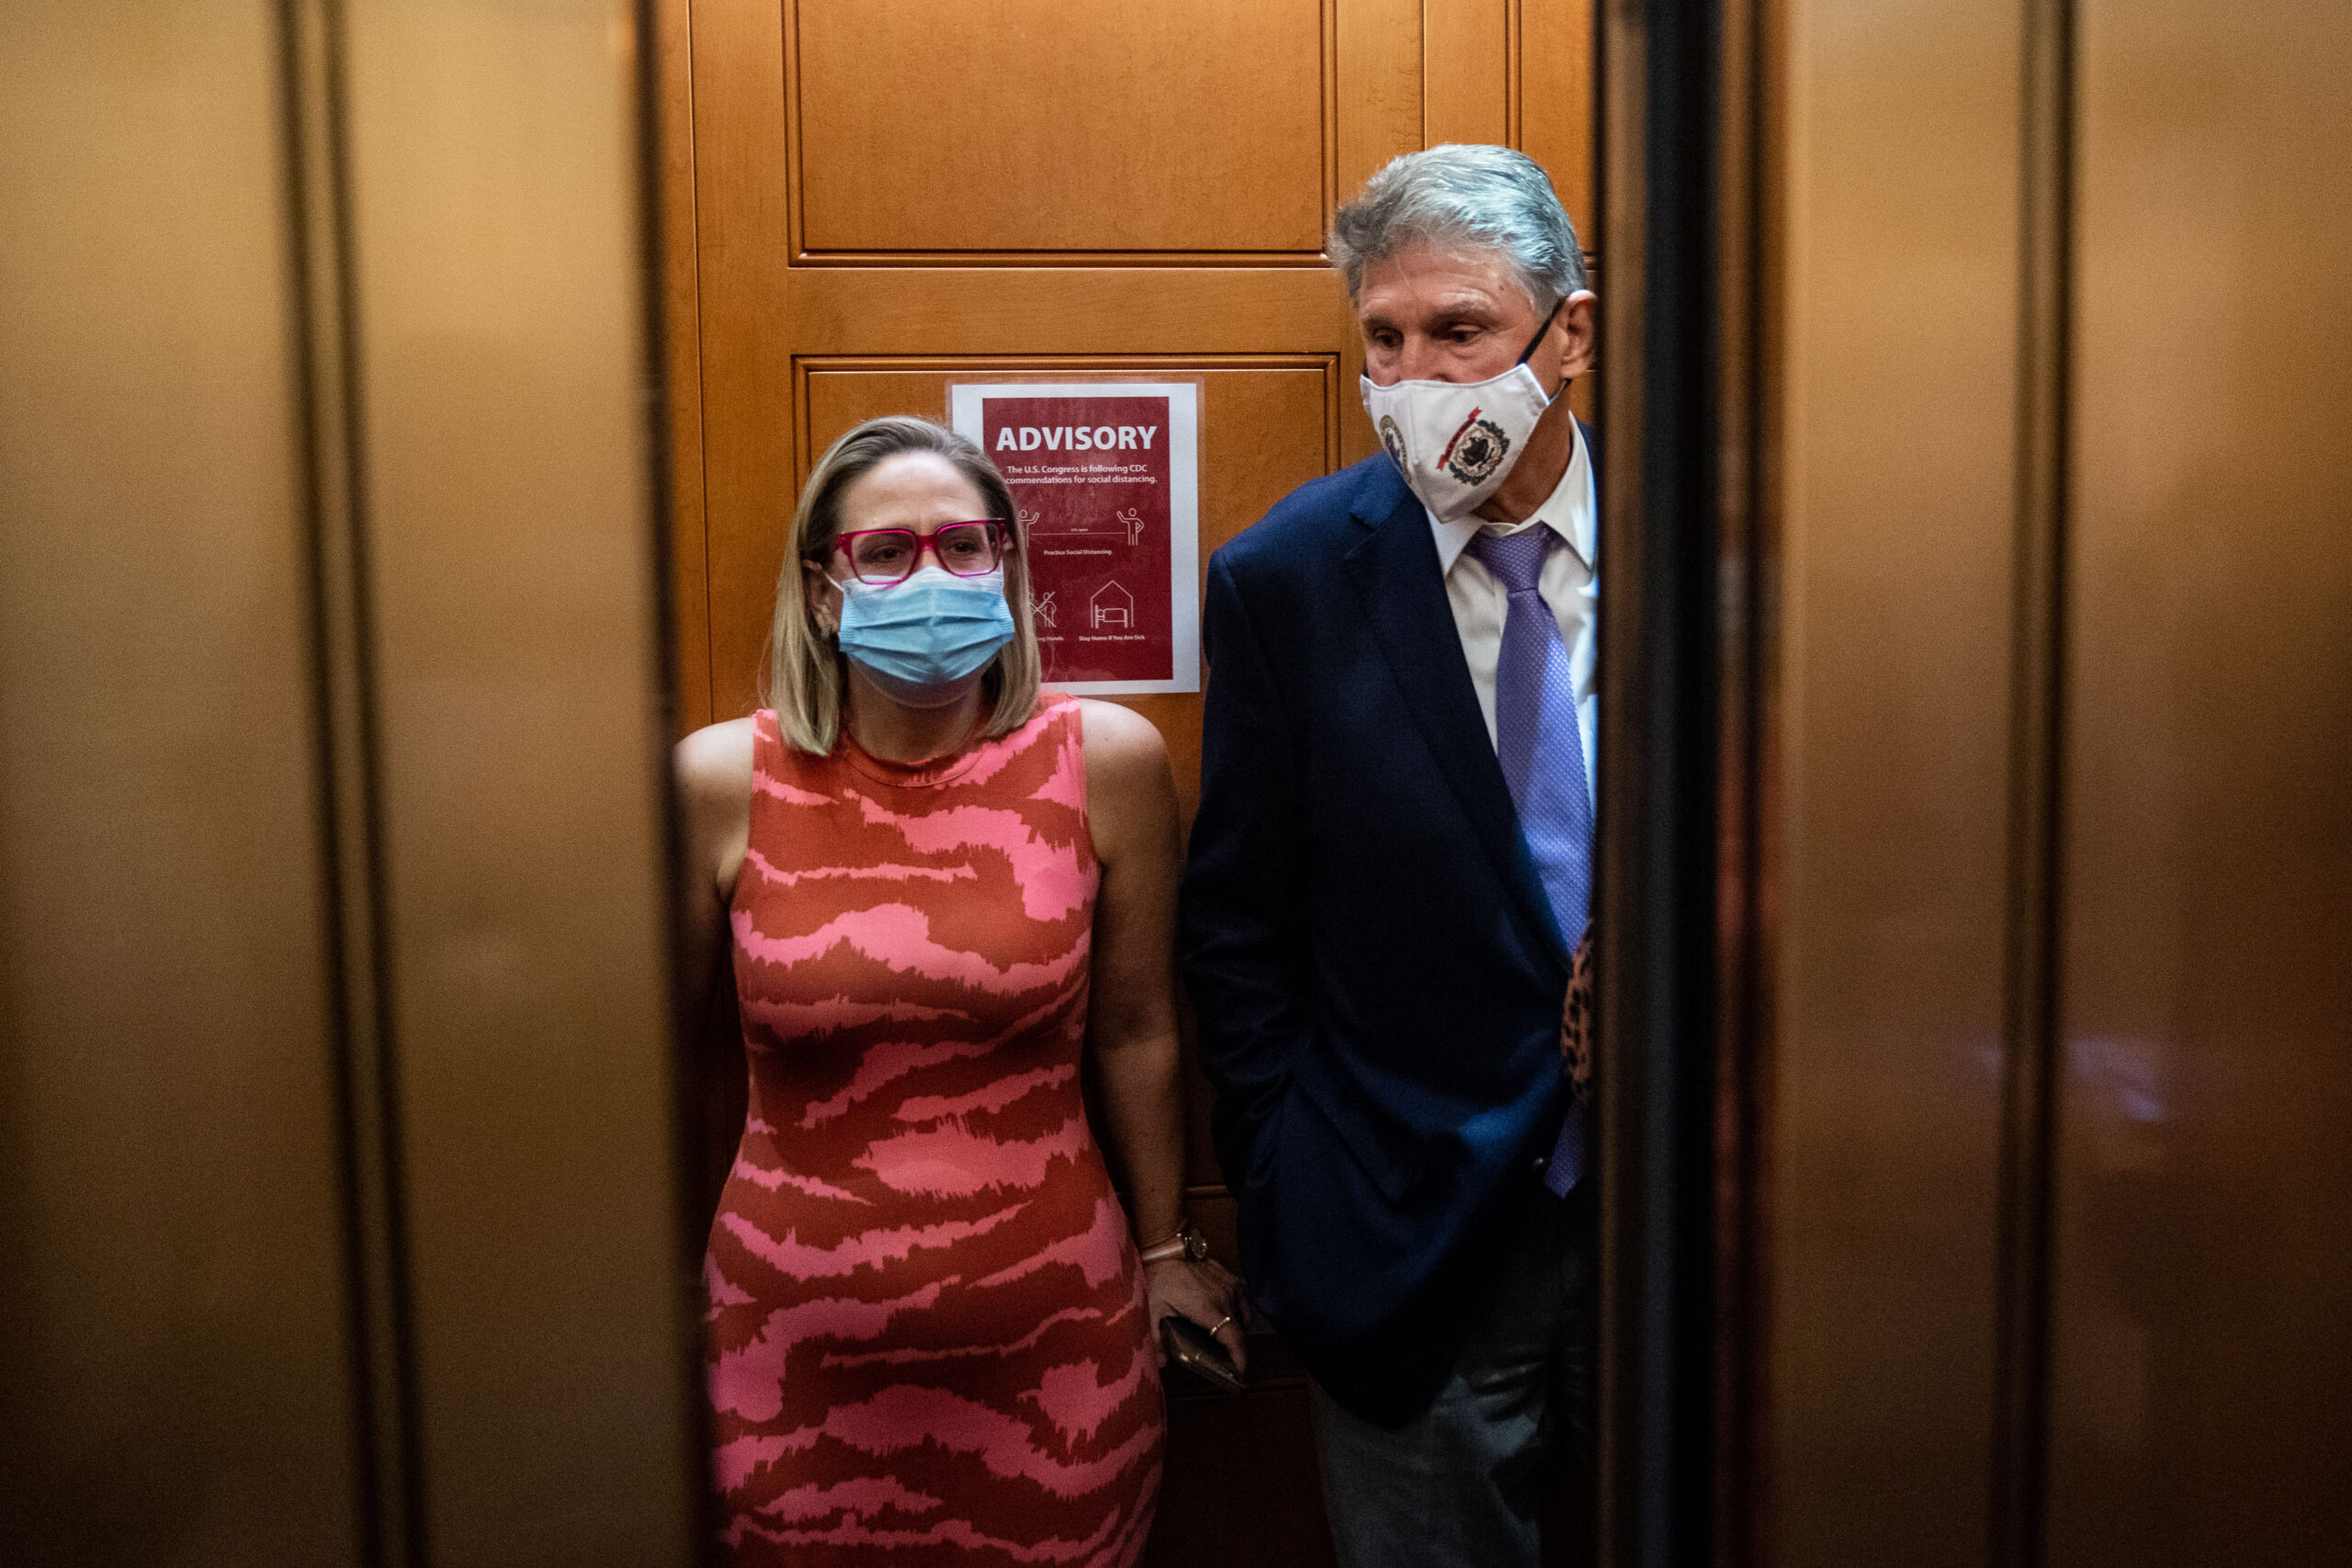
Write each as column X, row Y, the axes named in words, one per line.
column 832, row 633
column 1549, row 317
column 1529, row 352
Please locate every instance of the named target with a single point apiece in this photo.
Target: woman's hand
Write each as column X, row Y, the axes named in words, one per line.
column 1206, row 1292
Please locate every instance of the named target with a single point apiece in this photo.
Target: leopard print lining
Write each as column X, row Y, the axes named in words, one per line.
column 1576, row 1021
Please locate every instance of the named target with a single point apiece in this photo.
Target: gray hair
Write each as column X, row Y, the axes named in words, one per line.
column 1458, row 197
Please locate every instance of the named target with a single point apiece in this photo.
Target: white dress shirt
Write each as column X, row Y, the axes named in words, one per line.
column 1570, row 585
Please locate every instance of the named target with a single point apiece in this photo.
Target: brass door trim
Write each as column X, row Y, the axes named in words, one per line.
column 2032, row 978
column 1689, row 735
column 1748, row 550
column 365, row 1045
column 1677, row 885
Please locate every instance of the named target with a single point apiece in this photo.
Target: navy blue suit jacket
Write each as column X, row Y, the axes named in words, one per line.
column 1377, row 972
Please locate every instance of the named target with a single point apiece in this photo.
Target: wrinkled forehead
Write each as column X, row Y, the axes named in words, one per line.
column 1427, row 275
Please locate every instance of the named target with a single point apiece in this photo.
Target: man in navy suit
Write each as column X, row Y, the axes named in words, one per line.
column 1391, row 869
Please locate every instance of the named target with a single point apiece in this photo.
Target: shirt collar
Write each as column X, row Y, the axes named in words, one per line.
column 1569, row 512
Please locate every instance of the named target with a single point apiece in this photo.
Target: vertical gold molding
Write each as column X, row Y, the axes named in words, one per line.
column 1552, row 69
column 1376, row 53
column 326, row 340
column 2020, row 1425
column 1620, row 199
column 680, row 320
column 1514, row 72
column 1748, row 549
column 1333, row 193
column 1376, row 73
column 1657, row 894
column 746, row 293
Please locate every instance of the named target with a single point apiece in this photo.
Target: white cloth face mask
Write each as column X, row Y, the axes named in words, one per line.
column 1455, row 441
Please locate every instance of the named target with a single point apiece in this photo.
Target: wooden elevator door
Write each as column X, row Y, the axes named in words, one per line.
column 863, row 203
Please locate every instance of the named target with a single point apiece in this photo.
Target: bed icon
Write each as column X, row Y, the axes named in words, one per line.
column 1110, row 606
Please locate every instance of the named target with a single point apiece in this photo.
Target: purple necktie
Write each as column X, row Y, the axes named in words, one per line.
column 1541, row 752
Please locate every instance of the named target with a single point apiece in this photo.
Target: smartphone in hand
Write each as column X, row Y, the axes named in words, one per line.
column 1195, row 1349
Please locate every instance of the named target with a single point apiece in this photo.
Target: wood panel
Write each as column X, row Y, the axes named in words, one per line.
column 1467, row 91
column 755, row 307
column 1075, row 311
column 1550, row 86
column 1031, row 128
column 1379, row 73
column 1514, row 72
column 1552, row 91
column 746, row 288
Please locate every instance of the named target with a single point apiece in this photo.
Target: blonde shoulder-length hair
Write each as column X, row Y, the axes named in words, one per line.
column 804, row 673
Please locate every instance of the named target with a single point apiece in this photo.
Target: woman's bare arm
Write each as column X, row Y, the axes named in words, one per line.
column 712, row 768
column 1131, row 1024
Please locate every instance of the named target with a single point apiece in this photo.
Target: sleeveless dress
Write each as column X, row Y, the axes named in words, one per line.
column 926, row 1332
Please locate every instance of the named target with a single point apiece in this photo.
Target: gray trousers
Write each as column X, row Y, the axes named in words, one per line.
column 1464, row 1484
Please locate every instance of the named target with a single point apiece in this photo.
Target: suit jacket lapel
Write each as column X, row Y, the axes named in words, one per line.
column 1395, row 571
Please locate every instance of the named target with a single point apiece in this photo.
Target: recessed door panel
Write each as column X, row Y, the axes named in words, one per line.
column 1032, row 127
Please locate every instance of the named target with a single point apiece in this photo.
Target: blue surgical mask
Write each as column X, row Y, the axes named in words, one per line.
column 925, row 641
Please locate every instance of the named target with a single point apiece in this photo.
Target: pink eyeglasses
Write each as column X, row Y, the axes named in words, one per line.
column 883, row 556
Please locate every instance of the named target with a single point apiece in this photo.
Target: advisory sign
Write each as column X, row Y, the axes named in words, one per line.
column 1106, row 476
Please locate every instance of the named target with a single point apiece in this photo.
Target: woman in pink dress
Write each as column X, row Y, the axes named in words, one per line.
column 932, row 1330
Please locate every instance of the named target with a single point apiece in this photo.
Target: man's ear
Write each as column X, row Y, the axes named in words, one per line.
column 1577, row 326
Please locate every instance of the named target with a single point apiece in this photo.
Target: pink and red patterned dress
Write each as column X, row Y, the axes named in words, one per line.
column 926, row 1335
